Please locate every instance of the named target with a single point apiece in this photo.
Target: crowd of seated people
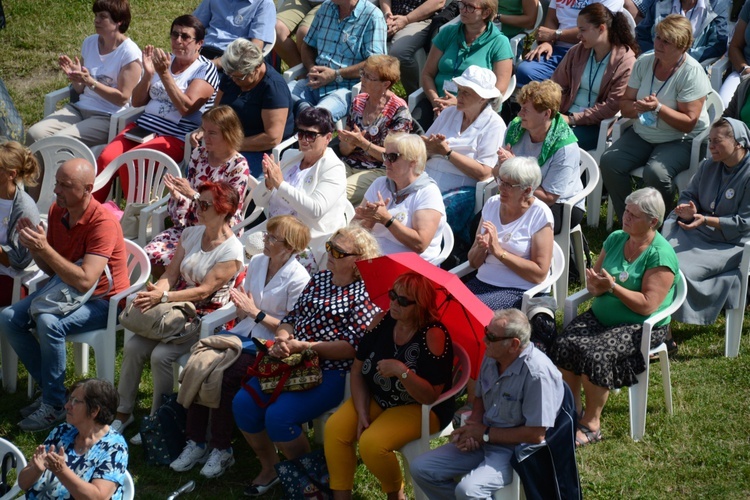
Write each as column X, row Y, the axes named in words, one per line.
column 305, row 291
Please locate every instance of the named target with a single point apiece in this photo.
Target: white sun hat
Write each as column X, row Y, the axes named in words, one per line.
column 480, row 80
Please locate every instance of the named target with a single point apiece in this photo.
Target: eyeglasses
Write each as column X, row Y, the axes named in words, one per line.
column 488, row 335
column 391, row 157
column 364, row 75
column 507, row 185
column 182, row 36
column 204, row 205
column 270, row 238
column 308, row 135
column 467, row 8
column 238, row 79
column 402, row 301
column 336, row 252
column 75, row 401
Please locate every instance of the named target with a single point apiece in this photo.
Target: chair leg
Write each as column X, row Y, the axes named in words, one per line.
column 81, row 357
column 576, row 240
column 610, row 214
column 666, row 379
column 10, row 366
column 638, row 400
column 594, row 204
column 733, row 331
column 30, row 387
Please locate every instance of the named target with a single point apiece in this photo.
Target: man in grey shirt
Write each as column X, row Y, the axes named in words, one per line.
column 518, row 395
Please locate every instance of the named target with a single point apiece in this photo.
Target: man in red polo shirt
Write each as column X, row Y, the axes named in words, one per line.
column 82, row 240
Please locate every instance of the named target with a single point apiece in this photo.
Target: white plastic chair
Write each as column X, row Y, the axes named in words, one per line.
column 716, row 72
column 54, row 151
column 8, row 447
column 521, row 37
column 146, row 170
column 117, row 121
column 590, row 169
column 128, row 488
column 410, row 451
column 639, row 391
column 594, row 200
column 735, row 317
column 714, row 107
column 7, row 354
column 447, row 245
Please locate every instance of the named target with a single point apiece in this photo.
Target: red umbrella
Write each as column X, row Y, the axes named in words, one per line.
column 462, row 313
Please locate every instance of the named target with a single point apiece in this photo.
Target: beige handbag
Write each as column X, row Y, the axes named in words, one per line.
column 131, row 219
column 174, row 322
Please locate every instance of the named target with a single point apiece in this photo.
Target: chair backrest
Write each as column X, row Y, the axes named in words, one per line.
column 590, row 170
column 714, row 105
column 139, row 267
column 146, row 170
column 631, row 21
column 5, row 448
column 556, row 268
column 128, row 488
column 447, row 245
column 54, row 151
column 461, row 367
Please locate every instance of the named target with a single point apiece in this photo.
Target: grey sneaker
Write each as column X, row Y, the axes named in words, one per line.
column 119, row 425
column 28, row 410
column 191, row 455
column 136, row 440
column 218, row 463
column 43, row 418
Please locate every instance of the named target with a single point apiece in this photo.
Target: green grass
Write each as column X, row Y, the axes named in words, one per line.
column 702, row 451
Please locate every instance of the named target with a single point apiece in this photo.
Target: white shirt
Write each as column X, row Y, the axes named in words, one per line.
column 275, row 298
column 514, row 238
column 567, row 12
column 427, row 198
column 480, row 141
column 105, row 69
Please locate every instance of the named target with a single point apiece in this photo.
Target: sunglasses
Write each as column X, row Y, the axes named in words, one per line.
column 493, row 338
column 182, row 36
column 391, row 157
column 308, row 135
column 402, row 301
column 336, row 252
column 204, row 205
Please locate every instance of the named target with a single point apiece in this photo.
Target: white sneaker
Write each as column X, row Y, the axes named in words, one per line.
column 218, row 463
column 43, row 418
column 136, row 440
column 191, row 455
column 119, row 425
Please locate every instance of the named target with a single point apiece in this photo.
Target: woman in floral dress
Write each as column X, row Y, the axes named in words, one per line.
column 218, row 160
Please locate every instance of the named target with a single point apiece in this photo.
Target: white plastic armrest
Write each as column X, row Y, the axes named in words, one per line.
column 283, row 146
column 147, row 213
column 462, row 270
column 51, row 99
column 213, row 320
column 415, row 97
column 572, row 303
column 294, row 73
column 127, row 116
column 620, row 126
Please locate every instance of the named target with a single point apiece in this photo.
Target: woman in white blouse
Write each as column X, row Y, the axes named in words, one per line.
column 273, row 283
column 404, row 210
column 309, row 184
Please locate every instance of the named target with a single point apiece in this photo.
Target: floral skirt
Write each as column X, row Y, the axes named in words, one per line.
column 609, row 355
column 161, row 248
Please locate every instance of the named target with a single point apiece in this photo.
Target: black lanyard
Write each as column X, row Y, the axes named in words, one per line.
column 592, row 80
column 653, row 75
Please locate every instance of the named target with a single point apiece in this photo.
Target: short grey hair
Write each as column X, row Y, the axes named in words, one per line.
column 516, row 324
column 522, row 170
column 241, row 56
column 650, row 201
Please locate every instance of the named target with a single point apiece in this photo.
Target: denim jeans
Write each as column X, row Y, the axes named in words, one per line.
column 44, row 355
column 337, row 102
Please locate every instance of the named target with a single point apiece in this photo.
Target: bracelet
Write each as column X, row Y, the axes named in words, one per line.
column 390, row 221
column 657, row 109
column 368, row 147
column 612, row 288
column 502, row 256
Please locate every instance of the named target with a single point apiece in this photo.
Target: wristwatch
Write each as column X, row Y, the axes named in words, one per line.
column 164, row 297
column 196, row 196
column 339, row 78
column 448, row 154
column 558, row 34
column 259, row 317
column 486, row 436
column 405, row 374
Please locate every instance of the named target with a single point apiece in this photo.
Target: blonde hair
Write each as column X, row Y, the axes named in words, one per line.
column 229, row 124
column 388, row 68
column 14, row 156
column 411, row 147
column 491, row 6
column 295, row 234
column 365, row 244
column 676, row 30
column 546, row 95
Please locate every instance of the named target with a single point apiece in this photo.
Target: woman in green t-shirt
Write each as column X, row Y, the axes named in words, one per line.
column 633, row 278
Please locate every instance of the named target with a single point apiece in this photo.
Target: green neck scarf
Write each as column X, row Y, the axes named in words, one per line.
column 559, row 136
